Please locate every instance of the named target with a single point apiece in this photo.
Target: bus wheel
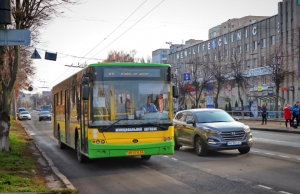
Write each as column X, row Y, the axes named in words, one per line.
column 60, row 144
column 80, row 157
column 146, row 157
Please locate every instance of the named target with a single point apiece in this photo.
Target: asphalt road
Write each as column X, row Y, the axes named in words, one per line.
column 272, row 166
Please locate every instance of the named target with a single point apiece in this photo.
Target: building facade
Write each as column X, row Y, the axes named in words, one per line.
column 160, row 56
column 256, row 41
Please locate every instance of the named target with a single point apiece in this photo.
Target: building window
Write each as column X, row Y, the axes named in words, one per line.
column 215, row 56
column 238, row 36
column 199, row 49
column 264, row 80
column 247, row 64
column 246, row 47
column 272, row 40
column 232, row 51
column 194, row 51
column 185, row 53
column 225, row 40
column 214, row 34
column 226, row 53
column 246, row 33
column 263, row 61
column 203, row 47
column 220, row 55
column 263, row 43
column 181, row 55
column 254, row 81
column 272, row 79
column 239, row 49
column 208, row 46
column 232, row 38
column 177, row 55
column 254, row 63
column 208, row 57
column 254, row 45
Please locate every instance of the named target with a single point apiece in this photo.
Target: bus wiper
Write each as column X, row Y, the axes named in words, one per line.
column 114, row 124
column 155, row 125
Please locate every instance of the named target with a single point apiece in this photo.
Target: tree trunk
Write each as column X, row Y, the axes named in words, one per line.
column 217, row 98
column 4, row 132
column 276, row 99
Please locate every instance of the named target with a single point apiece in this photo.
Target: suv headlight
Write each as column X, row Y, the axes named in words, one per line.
column 247, row 129
column 211, row 131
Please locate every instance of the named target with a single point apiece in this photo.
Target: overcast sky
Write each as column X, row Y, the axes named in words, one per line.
column 85, row 26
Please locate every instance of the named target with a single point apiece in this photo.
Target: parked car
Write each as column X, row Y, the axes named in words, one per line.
column 44, row 115
column 24, row 115
column 20, row 109
column 238, row 111
column 210, row 129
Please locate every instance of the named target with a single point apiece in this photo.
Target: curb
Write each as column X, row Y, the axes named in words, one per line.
column 275, row 130
column 62, row 177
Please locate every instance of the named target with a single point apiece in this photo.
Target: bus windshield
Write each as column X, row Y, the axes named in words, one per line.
column 136, row 102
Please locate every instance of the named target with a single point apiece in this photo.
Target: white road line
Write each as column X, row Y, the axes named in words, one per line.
column 166, row 156
column 264, row 187
column 270, row 154
column 284, row 192
column 255, row 151
column 173, row 158
column 284, row 156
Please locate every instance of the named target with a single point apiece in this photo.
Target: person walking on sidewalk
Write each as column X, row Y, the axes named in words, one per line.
column 295, row 110
column 263, row 111
column 287, row 116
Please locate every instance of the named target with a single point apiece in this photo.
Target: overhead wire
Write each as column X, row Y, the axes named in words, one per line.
column 128, row 29
column 102, row 40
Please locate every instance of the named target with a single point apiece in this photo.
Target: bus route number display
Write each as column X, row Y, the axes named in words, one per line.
column 132, row 72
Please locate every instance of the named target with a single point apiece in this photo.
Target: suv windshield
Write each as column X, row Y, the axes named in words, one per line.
column 45, row 113
column 22, row 113
column 213, row 116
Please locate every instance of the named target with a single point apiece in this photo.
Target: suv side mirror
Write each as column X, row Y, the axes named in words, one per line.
column 235, row 118
column 189, row 122
column 85, row 92
column 175, row 91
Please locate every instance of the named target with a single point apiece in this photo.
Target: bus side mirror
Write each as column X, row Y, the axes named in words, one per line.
column 85, row 80
column 175, row 91
column 85, row 92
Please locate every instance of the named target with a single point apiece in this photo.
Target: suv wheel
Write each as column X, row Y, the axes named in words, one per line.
column 200, row 150
column 176, row 145
column 244, row 150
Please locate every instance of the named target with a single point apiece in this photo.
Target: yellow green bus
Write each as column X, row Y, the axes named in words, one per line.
column 116, row 110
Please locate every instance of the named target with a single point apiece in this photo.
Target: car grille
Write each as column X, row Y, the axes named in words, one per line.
column 233, row 135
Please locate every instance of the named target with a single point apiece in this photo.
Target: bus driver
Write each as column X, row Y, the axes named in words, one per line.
column 148, row 107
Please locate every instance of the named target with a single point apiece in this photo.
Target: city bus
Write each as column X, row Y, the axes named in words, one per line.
column 116, row 110
column 46, row 108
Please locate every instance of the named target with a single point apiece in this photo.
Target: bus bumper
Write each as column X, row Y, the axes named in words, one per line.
column 121, row 150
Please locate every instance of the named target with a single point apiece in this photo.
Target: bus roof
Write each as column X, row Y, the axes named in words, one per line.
column 129, row 64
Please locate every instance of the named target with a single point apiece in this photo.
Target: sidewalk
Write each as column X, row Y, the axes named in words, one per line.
column 271, row 126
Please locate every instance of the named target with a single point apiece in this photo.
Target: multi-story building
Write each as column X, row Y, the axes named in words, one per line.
column 256, row 41
column 160, row 56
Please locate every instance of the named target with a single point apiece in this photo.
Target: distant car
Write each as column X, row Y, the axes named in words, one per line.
column 24, row 115
column 44, row 115
column 210, row 129
column 38, row 109
column 20, row 109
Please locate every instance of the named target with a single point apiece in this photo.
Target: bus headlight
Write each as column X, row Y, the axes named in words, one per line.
column 165, row 139
column 102, row 141
column 168, row 139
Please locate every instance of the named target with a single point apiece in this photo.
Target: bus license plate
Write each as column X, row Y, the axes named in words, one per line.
column 234, row 143
column 141, row 152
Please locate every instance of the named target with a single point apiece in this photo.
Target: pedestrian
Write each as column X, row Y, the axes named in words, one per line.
column 287, row 116
column 263, row 111
column 295, row 110
column 179, row 108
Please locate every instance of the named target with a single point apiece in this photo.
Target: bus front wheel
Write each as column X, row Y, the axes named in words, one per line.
column 80, row 157
column 146, row 157
column 60, row 144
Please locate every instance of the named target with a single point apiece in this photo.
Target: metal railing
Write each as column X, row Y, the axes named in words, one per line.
column 276, row 116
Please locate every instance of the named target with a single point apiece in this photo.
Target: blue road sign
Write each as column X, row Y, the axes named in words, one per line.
column 187, row 76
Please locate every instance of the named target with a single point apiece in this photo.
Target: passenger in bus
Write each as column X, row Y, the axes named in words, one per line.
column 149, row 107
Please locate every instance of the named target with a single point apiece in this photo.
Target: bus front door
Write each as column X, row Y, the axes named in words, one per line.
column 84, row 125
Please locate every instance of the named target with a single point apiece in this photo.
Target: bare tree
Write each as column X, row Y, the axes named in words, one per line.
column 27, row 15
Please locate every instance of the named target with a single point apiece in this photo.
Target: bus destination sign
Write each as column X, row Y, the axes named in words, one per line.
column 132, row 72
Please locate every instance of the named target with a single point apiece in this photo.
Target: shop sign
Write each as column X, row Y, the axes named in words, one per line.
column 291, row 88
column 271, row 88
column 264, row 88
column 270, row 93
column 259, row 88
column 284, row 88
column 255, row 89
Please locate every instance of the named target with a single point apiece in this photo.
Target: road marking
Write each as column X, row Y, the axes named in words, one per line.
column 173, row 158
column 270, row 154
column 284, row 156
column 264, row 187
column 255, row 151
column 166, row 156
column 284, row 192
